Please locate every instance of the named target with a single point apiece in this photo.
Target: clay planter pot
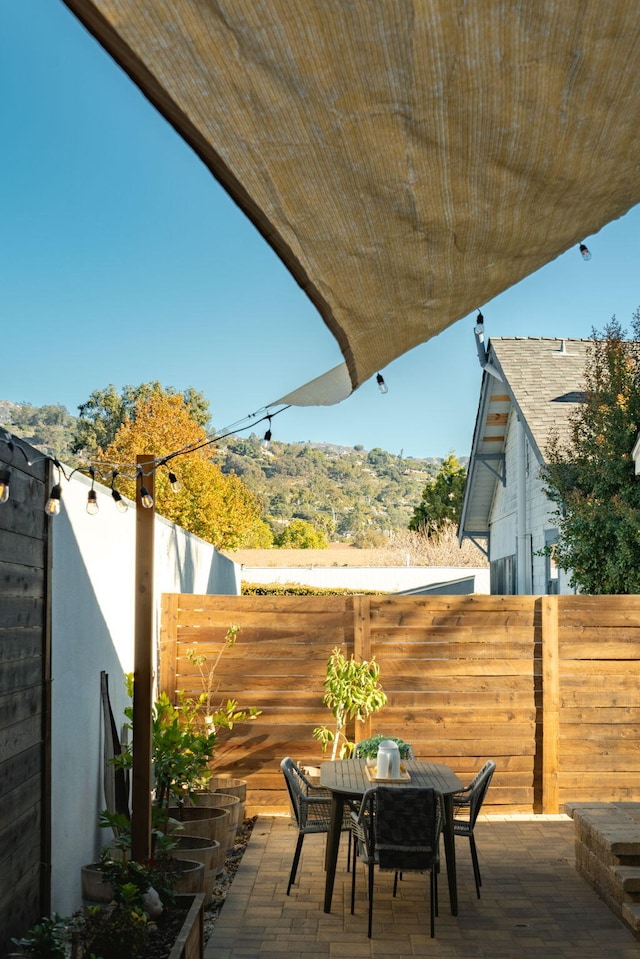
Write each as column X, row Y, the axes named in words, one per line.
column 200, row 849
column 205, row 821
column 210, row 800
column 189, row 881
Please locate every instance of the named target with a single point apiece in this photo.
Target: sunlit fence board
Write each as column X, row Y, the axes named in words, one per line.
column 548, row 687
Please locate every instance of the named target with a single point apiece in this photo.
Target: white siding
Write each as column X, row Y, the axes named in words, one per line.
column 502, row 521
column 538, row 513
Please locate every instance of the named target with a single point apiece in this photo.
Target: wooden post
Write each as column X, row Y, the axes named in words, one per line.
column 550, row 705
column 143, row 667
column 362, row 649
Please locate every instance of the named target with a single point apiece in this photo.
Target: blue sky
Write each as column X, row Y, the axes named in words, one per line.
column 124, row 261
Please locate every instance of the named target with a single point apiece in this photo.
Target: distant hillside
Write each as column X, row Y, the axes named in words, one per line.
column 352, row 494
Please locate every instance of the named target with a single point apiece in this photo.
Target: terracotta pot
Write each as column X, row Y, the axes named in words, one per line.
column 189, row 881
column 200, row 849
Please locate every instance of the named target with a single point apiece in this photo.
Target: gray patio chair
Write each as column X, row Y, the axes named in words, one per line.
column 310, row 809
column 398, row 829
column 466, row 806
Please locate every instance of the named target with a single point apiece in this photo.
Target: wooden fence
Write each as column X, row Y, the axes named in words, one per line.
column 546, row 686
column 24, row 697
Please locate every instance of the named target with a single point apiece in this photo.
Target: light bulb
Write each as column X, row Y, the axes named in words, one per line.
column 92, row 502
column 52, row 507
column 118, row 500
column 479, row 323
column 176, row 485
column 586, row 255
column 5, row 478
column 382, row 386
column 146, row 498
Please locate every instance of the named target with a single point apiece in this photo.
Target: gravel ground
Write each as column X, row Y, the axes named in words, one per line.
column 212, row 911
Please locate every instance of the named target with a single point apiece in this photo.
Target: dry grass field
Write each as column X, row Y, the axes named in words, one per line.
column 406, row 549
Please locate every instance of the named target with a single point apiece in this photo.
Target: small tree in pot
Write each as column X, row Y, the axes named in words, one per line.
column 352, row 691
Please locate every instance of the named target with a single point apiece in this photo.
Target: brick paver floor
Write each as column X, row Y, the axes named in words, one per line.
column 534, row 905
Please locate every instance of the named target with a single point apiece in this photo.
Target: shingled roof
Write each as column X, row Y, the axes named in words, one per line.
column 539, row 379
column 545, row 379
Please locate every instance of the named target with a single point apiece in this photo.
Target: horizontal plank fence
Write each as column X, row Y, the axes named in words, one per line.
column 24, row 694
column 547, row 686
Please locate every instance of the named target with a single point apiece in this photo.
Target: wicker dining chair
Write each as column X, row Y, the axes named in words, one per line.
column 310, row 809
column 466, row 806
column 398, row 829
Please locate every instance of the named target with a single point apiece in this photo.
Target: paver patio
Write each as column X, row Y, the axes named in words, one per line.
column 534, row 904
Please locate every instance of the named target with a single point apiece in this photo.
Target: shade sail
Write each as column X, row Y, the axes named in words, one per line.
column 408, row 160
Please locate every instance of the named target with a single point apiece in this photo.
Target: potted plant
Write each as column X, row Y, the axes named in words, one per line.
column 143, row 921
column 368, row 748
column 352, row 691
column 45, row 940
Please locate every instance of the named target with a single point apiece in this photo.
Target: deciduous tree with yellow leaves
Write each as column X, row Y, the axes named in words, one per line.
column 215, row 506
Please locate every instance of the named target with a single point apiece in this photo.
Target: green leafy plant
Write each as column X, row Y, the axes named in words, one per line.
column 44, row 940
column 352, row 691
column 591, row 479
column 181, row 749
column 368, row 748
column 226, row 714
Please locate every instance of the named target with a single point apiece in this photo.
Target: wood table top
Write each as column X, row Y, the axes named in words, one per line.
column 348, row 776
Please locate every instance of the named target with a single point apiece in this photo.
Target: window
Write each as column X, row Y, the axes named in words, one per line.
column 552, row 573
column 503, row 576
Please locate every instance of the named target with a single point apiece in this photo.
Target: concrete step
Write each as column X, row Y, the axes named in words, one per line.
column 631, row 915
column 628, row 877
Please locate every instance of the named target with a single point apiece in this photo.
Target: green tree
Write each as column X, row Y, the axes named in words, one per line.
column 441, row 500
column 49, row 428
column 300, row 534
column 591, row 480
column 352, row 691
column 106, row 410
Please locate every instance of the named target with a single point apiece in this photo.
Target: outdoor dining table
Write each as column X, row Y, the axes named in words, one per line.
column 347, row 779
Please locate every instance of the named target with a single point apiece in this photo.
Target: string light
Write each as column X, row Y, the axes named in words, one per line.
column 146, row 498
column 119, row 501
column 5, row 480
column 176, row 485
column 107, row 472
column 584, row 250
column 479, row 322
column 382, row 386
column 52, row 507
column 92, row 496
column 267, row 436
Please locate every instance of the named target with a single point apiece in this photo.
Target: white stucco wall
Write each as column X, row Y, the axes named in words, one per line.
column 391, row 579
column 92, row 590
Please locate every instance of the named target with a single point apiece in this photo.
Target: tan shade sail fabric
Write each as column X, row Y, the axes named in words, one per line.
column 332, row 387
column 408, row 160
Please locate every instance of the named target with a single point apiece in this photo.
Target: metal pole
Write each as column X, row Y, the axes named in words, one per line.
column 143, row 667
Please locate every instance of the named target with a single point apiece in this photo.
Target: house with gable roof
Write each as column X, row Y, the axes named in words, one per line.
column 530, row 387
